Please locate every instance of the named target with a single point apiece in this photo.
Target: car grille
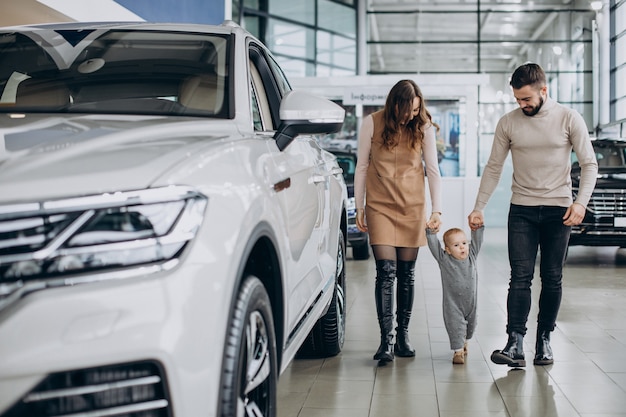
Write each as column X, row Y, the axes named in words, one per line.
column 128, row 390
column 608, row 202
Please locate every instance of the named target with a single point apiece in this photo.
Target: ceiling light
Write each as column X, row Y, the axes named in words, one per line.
column 596, row 5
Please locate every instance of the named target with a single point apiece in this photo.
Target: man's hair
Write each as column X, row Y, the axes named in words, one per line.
column 528, row 74
column 449, row 233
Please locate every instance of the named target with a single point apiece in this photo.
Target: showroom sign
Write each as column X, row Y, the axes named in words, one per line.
column 367, row 96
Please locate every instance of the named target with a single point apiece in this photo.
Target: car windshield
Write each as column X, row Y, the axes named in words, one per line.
column 114, row 71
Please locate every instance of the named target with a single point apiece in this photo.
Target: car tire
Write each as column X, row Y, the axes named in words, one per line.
column 361, row 252
column 327, row 337
column 249, row 375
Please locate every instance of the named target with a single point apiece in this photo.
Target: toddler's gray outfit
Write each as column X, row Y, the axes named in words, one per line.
column 459, row 279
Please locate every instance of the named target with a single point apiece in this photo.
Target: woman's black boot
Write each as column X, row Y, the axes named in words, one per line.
column 543, row 351
column 404, row 299
column 512, row 354
column 385, row 280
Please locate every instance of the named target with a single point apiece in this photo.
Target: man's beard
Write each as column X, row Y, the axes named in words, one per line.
column 535, row 109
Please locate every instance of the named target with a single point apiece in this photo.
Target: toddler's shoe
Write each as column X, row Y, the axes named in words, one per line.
column 465, row 349
column 458, row 358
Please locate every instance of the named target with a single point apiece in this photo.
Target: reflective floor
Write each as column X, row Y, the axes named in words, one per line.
column 588, row 378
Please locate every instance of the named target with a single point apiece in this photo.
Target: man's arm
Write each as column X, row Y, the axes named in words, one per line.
column 581, row 143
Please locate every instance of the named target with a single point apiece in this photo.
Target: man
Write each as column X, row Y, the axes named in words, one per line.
column 540, row 135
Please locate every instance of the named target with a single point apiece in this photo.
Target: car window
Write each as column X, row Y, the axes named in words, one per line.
column 348, row 165
column 265, row 83
column 261, row 113
column 115, row 71
column 283, row 84
column 608, row 155
column 611, row 157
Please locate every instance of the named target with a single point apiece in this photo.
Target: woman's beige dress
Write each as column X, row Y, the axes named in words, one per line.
column 395, row 201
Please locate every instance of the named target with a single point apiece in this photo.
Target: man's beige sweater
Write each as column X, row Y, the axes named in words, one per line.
column 541, row 147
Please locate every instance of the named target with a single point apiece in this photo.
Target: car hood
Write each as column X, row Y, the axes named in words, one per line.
column 608, row 178
column 48, row 156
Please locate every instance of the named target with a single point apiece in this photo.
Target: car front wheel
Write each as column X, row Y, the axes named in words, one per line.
column 249, row 375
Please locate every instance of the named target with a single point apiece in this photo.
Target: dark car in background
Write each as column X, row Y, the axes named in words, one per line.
column 359, row 241
column 605, row 220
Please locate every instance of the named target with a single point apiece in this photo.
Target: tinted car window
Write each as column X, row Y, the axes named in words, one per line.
column 348, row 165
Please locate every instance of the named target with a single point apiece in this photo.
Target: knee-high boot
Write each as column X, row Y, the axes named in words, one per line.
column 404, row 299
column 385, row 279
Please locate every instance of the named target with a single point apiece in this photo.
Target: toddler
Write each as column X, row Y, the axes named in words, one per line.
column 457, row 263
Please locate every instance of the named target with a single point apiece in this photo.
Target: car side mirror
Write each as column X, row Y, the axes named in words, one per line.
column 305, row 113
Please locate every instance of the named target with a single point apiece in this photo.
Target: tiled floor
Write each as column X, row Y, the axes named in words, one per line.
column 588, row 378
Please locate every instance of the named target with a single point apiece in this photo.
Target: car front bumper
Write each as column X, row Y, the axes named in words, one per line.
column 90, row 344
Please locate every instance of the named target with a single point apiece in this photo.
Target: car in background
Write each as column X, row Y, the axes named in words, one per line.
column 605, row 221
column 359, row 241
column 171, row 234
column 342, row 143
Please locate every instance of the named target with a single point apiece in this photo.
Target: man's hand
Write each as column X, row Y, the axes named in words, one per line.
column 475, row 220
column 574, row 215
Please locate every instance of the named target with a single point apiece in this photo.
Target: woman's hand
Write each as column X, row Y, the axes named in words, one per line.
column 360, row 220
column 434, row 223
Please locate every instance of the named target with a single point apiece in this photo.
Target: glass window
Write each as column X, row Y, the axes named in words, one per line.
column 336, row 51
column 327, row 71
column 256, row 113
column 428, row 58
column 253, row 25
column 427, row 27
column 620, row 50
column 619, row 85
column 296, row 67
column 292, row 40
column 337, row 17
column 283, row 84
column 620, row 18
column 301, row 11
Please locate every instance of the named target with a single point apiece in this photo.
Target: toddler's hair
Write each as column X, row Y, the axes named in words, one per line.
column 449, row 233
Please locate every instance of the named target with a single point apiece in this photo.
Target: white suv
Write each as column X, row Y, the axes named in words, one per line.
column 171, row 234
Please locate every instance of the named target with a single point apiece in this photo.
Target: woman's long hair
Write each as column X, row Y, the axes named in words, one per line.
column 398, row 106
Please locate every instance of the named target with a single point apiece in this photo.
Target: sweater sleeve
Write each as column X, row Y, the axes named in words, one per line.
column 477, row 240
column 363, row 160
column 493, row 170
column 429, row 151
column 434, row 245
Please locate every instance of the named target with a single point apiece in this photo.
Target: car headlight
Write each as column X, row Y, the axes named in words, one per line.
column 96, row 234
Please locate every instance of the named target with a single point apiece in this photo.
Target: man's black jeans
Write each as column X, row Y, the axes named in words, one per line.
column 531, row 228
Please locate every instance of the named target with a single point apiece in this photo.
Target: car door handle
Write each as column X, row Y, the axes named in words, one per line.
column 316, row 179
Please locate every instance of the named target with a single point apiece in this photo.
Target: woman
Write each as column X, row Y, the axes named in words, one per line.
column 392, row 144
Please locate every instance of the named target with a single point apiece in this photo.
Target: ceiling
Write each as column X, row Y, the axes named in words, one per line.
column 442, row 35
column 426, row 36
